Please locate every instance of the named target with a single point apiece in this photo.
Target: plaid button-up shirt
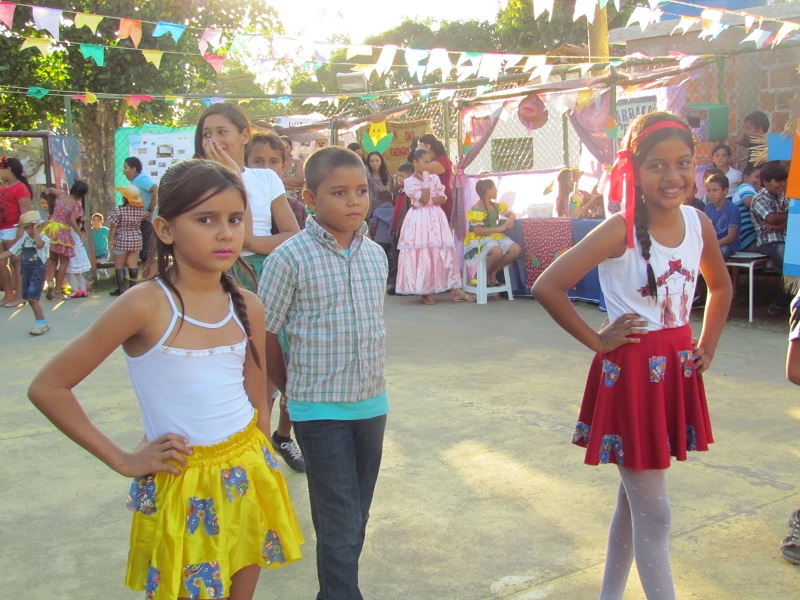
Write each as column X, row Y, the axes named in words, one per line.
column 762, row 205
column 332, row 306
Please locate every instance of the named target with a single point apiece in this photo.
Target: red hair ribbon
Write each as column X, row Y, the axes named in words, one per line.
column 623, row 177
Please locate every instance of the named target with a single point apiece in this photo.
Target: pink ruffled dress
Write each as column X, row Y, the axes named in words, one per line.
column 428, row 263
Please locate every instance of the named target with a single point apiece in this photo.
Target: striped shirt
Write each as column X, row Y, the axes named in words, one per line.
column 764, row 204
column 332, row 307
column 747, row 232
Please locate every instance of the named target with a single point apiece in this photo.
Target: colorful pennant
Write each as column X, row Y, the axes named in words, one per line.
column 41, row 44
column 87, row 20
column 7, row 14
column 37, row 92
column 174, row 29
column 130, row 28
column 47, row 18
column 215, row 60
column 95, row 52
column 153, row 57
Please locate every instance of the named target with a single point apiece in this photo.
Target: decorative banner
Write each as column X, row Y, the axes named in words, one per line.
column 95, row 52
column 136, row 99
column 533, row 62
column 539, row 6
column 440, row 60
column 490, row 66
column 684, row 24
column 173, row 99
column 163, row 27
column 413, row 58
column 130, row 28
column 785, row 30
column 464, row 70
column 41, row 44
column 644, row 16
column 37, row 92
column 386, row 59
column 210, row 37
column 47, row 18
column 213, row 100
column 87, row 98
column 367, row 70
column 542, row 72
column 215, row 60
column 241, row 42
column 7, row 13
column 585, row 8
column 283, row 101
column 86, row 20
column 153, row 57
column 710, row 18
column 758, row 37
column 444, row 94
column 359, row 51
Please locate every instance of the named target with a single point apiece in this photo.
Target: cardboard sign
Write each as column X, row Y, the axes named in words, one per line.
column 404, row 134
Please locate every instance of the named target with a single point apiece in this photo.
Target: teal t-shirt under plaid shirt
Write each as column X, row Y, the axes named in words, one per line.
column 331, row 302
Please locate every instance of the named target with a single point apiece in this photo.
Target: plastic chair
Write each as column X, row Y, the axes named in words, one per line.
column 480, row 289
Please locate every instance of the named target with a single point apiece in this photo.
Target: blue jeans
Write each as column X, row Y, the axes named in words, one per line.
column 342, row 463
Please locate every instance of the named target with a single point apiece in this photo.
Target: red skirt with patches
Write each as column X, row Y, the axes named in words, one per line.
column 644, row 403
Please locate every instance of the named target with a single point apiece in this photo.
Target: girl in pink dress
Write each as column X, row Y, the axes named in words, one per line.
column 428, row 262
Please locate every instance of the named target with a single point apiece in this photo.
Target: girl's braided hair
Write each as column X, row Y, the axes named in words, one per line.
column 184, row 186
column 640, row 145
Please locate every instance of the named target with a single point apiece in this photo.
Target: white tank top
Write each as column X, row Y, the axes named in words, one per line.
column 198, row 394
column 624, row 279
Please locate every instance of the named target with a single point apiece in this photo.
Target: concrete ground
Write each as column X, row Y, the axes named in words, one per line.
column 481, row 495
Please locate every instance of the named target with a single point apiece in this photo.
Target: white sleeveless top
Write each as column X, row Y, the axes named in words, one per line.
column 198, row 394
column 624, row 279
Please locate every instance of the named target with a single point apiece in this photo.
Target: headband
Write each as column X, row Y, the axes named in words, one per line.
column 623, row 176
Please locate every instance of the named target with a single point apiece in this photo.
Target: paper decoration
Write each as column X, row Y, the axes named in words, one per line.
column 95, row 52
column 533, row 62
column 468, row 64
column 585, row 8
column 153, row 57
column 283, row 101
column 584, row 68
column 86, row 20
column 512, row 59
column 359, row 51
column 241, row 42
column 87, row 98
column 584, row 100
column 439, row 60
column 612, row 128
column 47, row 18
column 164, row 27
column 539, row 6
column 482, row 89
column 413, row 58
column 405, row 97
column 757, row 36
column 377, row 139
column 7, row 14
column 490, row 66
column 41, row 44
column 444, row 94
column 748, row 21
column 709, row 18
column 542, row 72
column 312, row 101
column 173, row 99
column 210, row 37
column 37, row 92
column 785, row 30
column 136, row 99
column 213, row 100
column 386, row 59
column 367, row 70
column 215, row 60
column 684, row 24
column 779, row 147
column 130, row 28
column 644, row 16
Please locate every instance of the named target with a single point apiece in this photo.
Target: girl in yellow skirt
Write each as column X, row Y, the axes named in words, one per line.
column 210, row 507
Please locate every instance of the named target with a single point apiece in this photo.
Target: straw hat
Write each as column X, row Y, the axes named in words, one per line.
column 132, row 194
column 31, row 217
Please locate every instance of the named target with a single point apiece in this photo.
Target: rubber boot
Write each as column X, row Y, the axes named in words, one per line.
column 120, row 282
column 133, row 275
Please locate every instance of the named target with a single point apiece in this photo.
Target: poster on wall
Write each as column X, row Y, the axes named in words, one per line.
column 156, row 146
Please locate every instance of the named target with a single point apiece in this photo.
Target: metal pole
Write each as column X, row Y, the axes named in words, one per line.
column 446, row 119
column 68, row 115
column 564, row 132
column 721, row 79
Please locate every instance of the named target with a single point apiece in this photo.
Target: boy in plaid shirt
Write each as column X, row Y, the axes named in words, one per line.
column 326, row 286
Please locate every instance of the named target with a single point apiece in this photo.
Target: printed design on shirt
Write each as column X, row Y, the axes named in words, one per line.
column 272, row 462
column 273, row 551
column 658, row 366
column 203, row 576
column 202, row 510
column 153, row 579
column 687, row 362
column 691, row 438
column 581, row 435
column 610, row 373
column 612, row 443
column 142, row 497
column 235, row 482
column 674, row 286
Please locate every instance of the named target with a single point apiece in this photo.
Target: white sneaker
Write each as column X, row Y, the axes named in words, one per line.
column 40, row 329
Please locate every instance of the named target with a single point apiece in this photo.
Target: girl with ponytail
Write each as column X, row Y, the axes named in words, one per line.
column 206, row 490
column 15, row 200
column 644, row 400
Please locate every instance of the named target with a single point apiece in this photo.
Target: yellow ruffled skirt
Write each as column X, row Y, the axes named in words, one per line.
column 228, row 509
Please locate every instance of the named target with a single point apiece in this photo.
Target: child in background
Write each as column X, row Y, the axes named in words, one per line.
column 790, row 547
column 338, row 403
column 210, row 507
column 721, row 157
column 693, row 201
column 756, row 125
column 379, row 179
column 487, row 236
column 15, row 199
column 401, row 207
column 724, row 215
column 742, row 198
column 125, row 238
column 428, row 262
column 63, row 224
column 33, row 248
column 267, row 151
column 44, row 206
column 100, row 239
column 380, row 223
column 644, row 400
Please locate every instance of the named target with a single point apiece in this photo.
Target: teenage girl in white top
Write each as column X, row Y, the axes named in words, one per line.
column 644, row 401
column 209, row 506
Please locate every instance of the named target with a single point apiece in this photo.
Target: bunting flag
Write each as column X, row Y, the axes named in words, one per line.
column 612, row 129
column 47, row 18
column 7, row 14
column 37, row 92
column 213, row 100
column 87, row 98
column 748, row 22
column 130, row 28
column 758, row 37
column 542, row 72
column 283, row 101
column 532, row 62
column 784, row 31
column 215, row 60
column 359, row 51
column 468, row 64
column 483, row 89
column 210, row 37
column 490, row 66
column 644, row 16
column 584, row 68
column 386, row 59
column 241, row 42
column 684, row 24
column 95, row 52
column 136, row 99
column 173, row 99
column 539, row 6
column 585, row 8
column 367, row 70
column 41, row 44
column 314, row 101
column 445, row 94
column 163, row 27
column 87, row 20
column 584, row 100
column 413, row 58
column 153, row 57
column 439, row 60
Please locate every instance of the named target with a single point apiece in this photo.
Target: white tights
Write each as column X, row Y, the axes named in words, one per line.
column 76, row 281
column 640, row 529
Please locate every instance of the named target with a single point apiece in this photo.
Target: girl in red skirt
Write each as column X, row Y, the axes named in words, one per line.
column 644, row 400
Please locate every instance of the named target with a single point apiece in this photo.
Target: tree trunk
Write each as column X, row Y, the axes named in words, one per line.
column 97, row 126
